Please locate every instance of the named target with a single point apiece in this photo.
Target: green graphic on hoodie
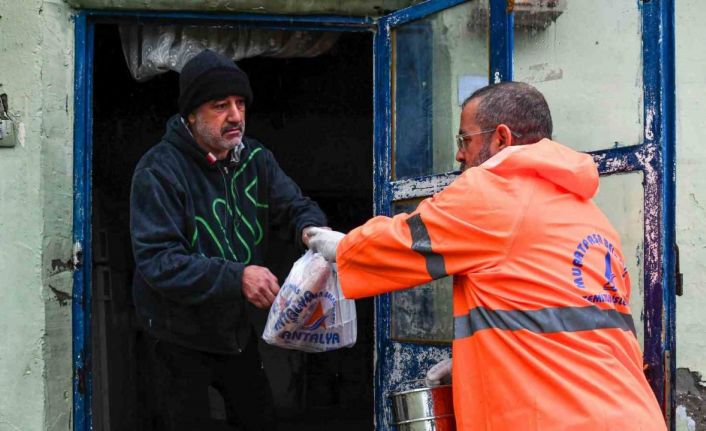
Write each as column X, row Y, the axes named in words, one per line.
column 253, row 226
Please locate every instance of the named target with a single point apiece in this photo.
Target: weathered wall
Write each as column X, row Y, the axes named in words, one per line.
column 691, row 182
column 357, row 7
column 56, row 134
column 36, row 72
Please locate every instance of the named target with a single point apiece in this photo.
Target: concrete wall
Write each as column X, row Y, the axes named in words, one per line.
column 36, row 71
column 691, row 182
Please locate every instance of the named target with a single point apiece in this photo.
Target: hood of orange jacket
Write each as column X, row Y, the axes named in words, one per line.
column 567, row 168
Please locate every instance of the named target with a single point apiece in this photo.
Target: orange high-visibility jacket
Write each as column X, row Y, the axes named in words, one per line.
column 544, row 339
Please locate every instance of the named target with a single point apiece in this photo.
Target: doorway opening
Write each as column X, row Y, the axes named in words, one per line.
column 316, row 116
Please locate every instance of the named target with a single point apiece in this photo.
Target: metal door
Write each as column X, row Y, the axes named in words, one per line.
column 607, row 70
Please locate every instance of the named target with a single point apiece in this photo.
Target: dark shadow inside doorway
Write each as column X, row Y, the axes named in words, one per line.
column 315, row 114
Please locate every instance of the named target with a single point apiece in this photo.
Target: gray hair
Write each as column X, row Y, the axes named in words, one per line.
column 519, row 106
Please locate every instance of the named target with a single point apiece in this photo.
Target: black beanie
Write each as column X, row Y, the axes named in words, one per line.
column 210, row 76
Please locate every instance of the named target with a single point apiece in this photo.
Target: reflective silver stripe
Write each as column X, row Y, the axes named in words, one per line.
column 545, row 320
column 421, row 243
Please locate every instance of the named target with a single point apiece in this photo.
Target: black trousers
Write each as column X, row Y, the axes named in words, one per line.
column 179, row 379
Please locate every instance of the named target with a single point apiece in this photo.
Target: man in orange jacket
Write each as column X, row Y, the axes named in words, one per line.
column 544, row 338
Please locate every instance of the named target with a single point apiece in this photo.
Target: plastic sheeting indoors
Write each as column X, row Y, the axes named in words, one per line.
column 153, row 49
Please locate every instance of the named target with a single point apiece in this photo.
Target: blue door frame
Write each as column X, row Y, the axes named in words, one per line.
column 655, row 157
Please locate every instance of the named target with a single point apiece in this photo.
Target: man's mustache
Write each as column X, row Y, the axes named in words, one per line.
column 230, row 128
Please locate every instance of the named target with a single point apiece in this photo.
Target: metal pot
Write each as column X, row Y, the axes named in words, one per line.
column 424, row 409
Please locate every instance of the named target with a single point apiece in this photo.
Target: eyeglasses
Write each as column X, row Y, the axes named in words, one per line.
column 461, row 138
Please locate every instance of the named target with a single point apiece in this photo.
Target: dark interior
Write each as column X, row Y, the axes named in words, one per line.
column 315, row 114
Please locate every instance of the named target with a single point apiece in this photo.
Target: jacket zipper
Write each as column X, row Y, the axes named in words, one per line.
column 229, row 237
column 223, row 170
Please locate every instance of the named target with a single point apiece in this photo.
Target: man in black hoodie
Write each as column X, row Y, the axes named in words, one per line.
column 202, row 202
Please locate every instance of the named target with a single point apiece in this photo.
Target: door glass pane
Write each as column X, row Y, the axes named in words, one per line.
column 585, row 56
column 621, row 197
column 436, row 62
column 423, row 313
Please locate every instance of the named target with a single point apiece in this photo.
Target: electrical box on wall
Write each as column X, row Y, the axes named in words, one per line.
column 537, row 14
column 6, row 134
column 8, row 137
column 528, row 14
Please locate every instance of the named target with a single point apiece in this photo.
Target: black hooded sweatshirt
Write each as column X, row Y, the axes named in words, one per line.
column 195, row 226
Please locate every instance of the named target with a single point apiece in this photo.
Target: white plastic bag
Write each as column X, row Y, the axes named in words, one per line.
column 310, row 313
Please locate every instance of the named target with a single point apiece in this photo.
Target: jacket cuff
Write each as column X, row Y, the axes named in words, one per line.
column 232, row 286
column 300, row 231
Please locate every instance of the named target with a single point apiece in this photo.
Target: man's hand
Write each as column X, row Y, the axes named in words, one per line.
column 324, row 241
column 439, row 373
column 259, row 286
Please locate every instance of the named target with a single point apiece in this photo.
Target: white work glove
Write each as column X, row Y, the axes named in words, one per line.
column 439, row 373
column 324, row 242
column 306, row 233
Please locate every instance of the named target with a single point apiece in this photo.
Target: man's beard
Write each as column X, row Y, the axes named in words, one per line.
column 483, row 155
column 216, row 140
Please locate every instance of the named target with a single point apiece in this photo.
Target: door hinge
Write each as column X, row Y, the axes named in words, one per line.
column 77, row 254
column 678, row 276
